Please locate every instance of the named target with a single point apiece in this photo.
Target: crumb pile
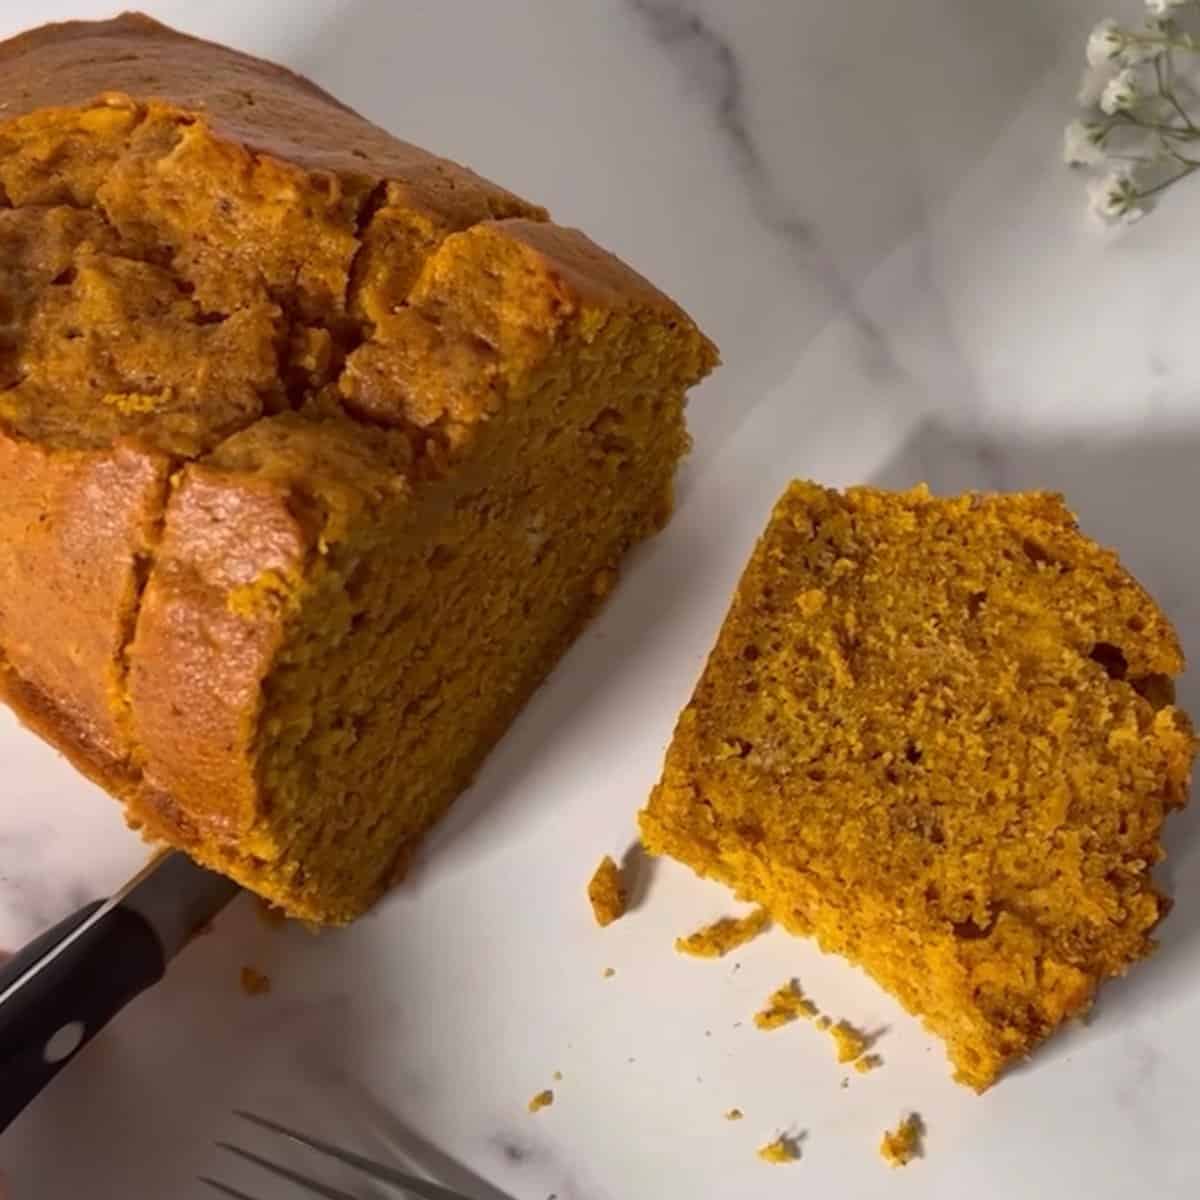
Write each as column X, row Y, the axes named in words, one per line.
column 785, row 1005
column 788, row 1004
column 850, row 1043
column 722, row 936
column 782, row 1150
column 902, row 1144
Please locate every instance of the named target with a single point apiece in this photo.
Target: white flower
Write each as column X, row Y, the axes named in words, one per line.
column 1083, row 143
column 1120, row 93
column 1105, row 43
column 1162, row 8
column 1115, row 197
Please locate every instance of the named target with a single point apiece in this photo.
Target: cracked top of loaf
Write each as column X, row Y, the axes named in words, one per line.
column 198, row 251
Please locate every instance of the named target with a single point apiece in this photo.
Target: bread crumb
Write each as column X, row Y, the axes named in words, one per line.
column 542, row 1100
column 851, row 1043
column 716, row 940
column 867, row 1062
column 734, row 1114
column 783, row 1149
column 901, row 1145
column 609, row 972
column 254, row 983
column 786, row 1004
column 606, row 891
column 557, row 1076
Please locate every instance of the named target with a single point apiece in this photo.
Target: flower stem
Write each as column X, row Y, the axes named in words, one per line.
column 1142, row 193
column 1183, row 158
column 1186, row 135
column 1168, row 94
column 1168, row 41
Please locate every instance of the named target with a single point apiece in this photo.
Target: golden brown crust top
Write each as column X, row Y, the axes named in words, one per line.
column 247, row 100
column 586, row 272
column 67, row 62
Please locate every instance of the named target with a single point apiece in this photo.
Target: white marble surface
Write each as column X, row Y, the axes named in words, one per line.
column 864, row 205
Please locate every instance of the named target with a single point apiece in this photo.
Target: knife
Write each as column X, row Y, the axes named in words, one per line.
column 63, row 988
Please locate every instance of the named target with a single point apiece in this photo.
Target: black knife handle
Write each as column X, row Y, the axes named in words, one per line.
column 71, row 998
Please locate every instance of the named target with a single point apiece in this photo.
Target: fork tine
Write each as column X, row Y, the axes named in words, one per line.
column 419, row 1187
column 303, row 1181
column 224, row 1188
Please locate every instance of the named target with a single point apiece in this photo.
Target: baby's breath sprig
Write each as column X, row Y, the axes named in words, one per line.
column 1139, row 128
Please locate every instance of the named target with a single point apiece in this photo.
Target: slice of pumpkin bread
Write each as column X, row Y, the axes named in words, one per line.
column 316, row 450
column 937, row 734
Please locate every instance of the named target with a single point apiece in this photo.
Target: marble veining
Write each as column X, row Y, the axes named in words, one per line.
column 714, row 71
column 864, row 204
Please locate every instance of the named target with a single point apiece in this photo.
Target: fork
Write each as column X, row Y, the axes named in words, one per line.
column 377, row 1171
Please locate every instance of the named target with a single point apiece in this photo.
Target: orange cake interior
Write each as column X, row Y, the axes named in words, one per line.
column 937, row 735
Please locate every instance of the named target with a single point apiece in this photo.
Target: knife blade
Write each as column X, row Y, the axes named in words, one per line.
column 63, row 988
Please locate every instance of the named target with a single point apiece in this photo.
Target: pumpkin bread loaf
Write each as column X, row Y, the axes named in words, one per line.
column 315, row 452
column 938, row 735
